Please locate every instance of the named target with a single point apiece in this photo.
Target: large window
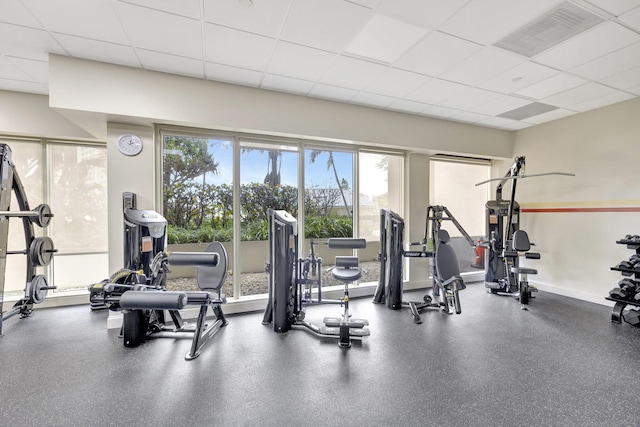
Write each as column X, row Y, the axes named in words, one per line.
column 220, row 187
column 452, row 184
column 76, row 191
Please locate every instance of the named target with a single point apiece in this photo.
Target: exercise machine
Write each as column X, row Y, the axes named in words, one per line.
column 139, row 288
column 39, row 250
column 445, row 272
column 294, row 281
column 503, row 276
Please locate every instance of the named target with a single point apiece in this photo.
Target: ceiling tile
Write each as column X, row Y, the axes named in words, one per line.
column 23, row 42
column 437, row 53
column 498, row 122
column 482, row 66
column 324, row 24
column 286, row 84
column 500, row 105
column 406, row 106
column 397, row 83
column 372, row 100
column 617, row 7
column 301, row 62
column 632, row 18
column 147, row 29
column 171, row 64
column 625, row 79
column 14, row 12
column 385, row 39
column 486, row 21
column 94, row 19
column 613, row 63
column 22, row 86
column 591, row 44
column 264, row 17
column 468, row 117
column 518, row 77
column 352, row 73
column 602, row 101
column 9, row 70
column 188, row 8
column 470, row 98
column 231, row 47
column 442, row 112
column 578, row 95
column 426, row 13
column 436, row 91
column 227, row 74
column 37, row 70
column 332, row 92
column 98, row 51
column 635, row 90
column 551, row 86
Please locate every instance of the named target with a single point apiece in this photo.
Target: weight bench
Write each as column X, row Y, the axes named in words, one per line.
column 143, row 309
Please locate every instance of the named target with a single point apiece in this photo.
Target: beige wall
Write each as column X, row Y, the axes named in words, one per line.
column 578, row 248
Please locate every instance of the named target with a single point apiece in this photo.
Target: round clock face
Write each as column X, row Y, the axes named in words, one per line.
column 129, row 145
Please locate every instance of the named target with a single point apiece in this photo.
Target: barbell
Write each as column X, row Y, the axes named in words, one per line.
column 41, row 215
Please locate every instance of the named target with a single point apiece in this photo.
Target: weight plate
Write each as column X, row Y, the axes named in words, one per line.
column 38, row 289
column 41, row 251
column 44, row 215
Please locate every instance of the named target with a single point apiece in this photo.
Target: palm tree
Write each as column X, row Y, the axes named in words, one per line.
column 331, row 164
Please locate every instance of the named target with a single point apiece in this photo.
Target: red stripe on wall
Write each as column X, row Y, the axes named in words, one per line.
column 556, row 210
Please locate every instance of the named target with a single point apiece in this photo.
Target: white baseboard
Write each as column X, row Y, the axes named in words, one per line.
column 583, row 296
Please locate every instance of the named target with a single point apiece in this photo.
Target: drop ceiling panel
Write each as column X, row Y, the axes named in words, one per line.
column 469, row 117
column 632, row 18
column 551, row 86
column 384, row 38
column 94, row 19
column 147, row 29
column 332, row 92
column 14, row 12
column 22, row 86
column 286, row 84
column 301, row 62
column 482, row 66
column 230, row 47
column 408, row 106
column 98, row 51
column 600, row 40
column 615, row 7
column 498, row 122
column 518, row 77
column 9, row 70
column 442, row 112
column 324, row 24
column 264, row 17
column 613, row 63
column 170, row 63
column 37, row 70
column 436, row 91
column 373, row 100
column 187, row 8
column 625, row 79
column 437, row 53
column 23, row 42
column 352, row 73
column 578, row 95
column 602, row 101
column 397, row 83
column 470, row 98
column 551, row 115
column 227, row 74
column 500, row 105
column 427, row 13
column 486, row 21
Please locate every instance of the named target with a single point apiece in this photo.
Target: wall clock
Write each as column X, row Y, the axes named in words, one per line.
column 129, row 144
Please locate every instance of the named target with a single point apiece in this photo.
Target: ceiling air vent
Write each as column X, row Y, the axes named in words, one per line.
column 559, row 24
column 527, row 111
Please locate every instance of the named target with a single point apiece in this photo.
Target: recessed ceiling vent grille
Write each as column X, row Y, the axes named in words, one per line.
column 559, row 24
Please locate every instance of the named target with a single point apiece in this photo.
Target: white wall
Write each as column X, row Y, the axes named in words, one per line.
column 578, row 248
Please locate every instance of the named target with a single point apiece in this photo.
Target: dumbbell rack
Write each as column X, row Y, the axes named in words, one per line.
column 620, row 304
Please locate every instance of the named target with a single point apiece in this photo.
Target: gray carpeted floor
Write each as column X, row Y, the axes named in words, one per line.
column 561, row 363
